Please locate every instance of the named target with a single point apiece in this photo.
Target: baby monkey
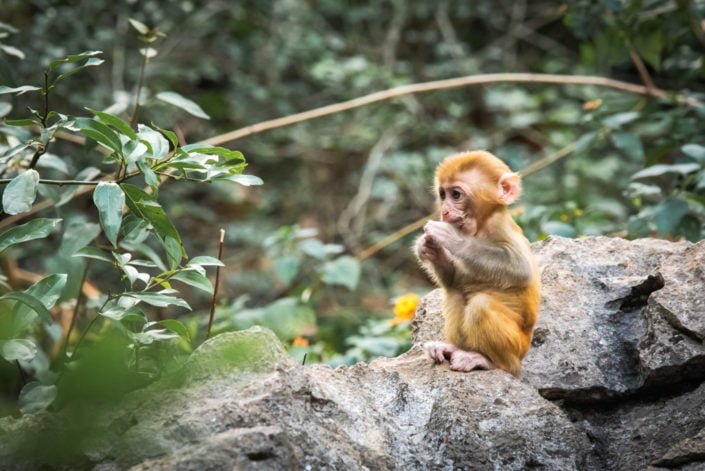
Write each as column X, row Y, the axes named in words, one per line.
column 483, row 262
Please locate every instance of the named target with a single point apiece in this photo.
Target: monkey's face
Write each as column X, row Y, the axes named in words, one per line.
column 456, row 207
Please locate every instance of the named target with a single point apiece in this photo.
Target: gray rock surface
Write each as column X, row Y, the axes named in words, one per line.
column 619, row 346
column 400, row 413
column 614, row 382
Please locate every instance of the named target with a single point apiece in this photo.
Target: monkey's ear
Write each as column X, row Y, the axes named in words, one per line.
column 508, row 188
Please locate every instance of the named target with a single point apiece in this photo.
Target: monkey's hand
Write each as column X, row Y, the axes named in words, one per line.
column 439, row 351
column 428, row 248
column 460, row 360
column 444, row 234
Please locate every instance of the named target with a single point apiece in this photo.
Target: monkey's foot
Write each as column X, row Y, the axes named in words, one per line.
column 460, row 360
column 440, row 351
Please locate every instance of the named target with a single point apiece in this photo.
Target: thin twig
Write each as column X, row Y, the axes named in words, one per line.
column 424, row 87
column 42, row 148
column 4, row 181
column 46, row 99
column 217, row 282
column 404, row 90
column 641, row 68
column 79, row 302
column 409, row 228
column 140, row 84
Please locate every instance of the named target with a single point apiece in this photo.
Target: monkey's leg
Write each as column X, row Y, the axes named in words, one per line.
column 493, row 329
column 439, row 351
column 461, row 360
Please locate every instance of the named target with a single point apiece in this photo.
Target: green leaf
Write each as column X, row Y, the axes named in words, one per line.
column 35, row 229
column 120, row 308
column 205, row 261
column 150, row 336
column 150, row 177
column 227, row 154
column 169, row 134
column 115, row 122
column 147, row 208
column 185, row 104
column 139, row 26
column 17, row 90
column 558, row 228
column 286, row 268
column 344, row 271
column 92, row 62
column 317, row 249
column 21, row 122
column 99, row 132
column 109, row 199
column 663, row 169
column 74, row 58
column 195, row 279
column 246, row 180
column 160, row 299
column 21, row 192
column 5, row 109
column 32, row 302
column 77, row 235
column 695, row 151
column 668, row 214
column 12, row 51
column 177, row 327
column 36, row 397
column 94, row 253
column 629, row 143
column 159, row 146
column 287, row 317
column 48, row 290
column 18, row 349
column 618, row 120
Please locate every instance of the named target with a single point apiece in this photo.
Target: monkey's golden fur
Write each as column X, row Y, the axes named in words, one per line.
column 494, row 319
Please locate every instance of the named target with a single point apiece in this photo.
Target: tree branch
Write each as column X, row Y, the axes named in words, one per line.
column 467, row 81
column 424, row 87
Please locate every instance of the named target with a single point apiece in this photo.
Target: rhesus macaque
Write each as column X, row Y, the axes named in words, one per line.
column 481, row 259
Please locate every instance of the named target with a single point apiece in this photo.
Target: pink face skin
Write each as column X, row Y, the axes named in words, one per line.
column 456, row 209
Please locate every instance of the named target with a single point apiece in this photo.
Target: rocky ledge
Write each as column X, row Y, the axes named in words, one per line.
column 614, row 381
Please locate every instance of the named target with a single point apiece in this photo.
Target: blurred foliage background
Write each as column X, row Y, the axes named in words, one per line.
column 631, row 166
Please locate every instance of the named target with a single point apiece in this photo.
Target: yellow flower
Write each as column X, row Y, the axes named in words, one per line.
column 404, row 308
column 300, row 342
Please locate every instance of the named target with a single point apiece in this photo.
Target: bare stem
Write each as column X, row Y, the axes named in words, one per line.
column 217, row 282
column 79, row 302
column 641, row 68
column 46, row 99
column 140, row 84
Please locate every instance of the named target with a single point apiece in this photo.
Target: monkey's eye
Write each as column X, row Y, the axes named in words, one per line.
column 455, row 195
column 442, row 194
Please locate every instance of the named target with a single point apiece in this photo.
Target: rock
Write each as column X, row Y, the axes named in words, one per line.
column 673, row 345
column 614, row 381
column 689, row 452
column 655, row 430
column 619, row 346
column 253, row 349
column 592, row 324
column 401, row 413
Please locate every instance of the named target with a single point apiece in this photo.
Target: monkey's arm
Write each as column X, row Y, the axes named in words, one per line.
column 504, row 265
column 435, row 260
